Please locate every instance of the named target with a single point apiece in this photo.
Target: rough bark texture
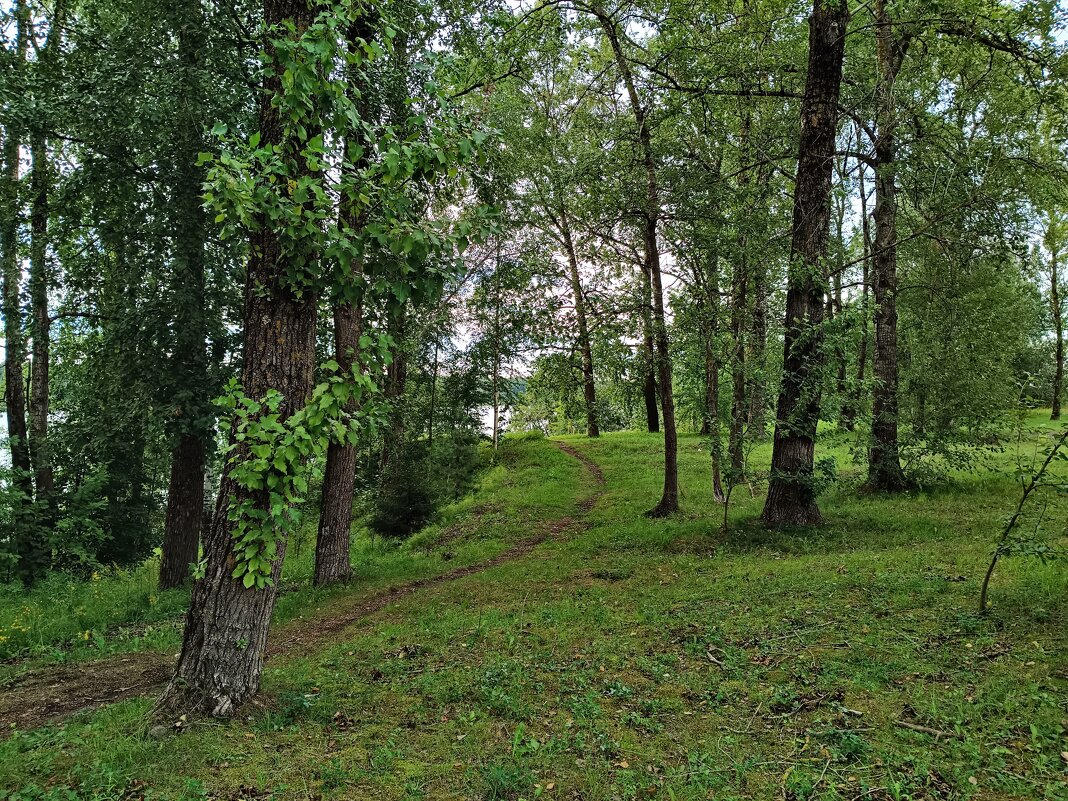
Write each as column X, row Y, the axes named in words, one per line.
column 669, row 500
column 791, row 499
column 884, row 459
column 589, row 387
column 335, row 516
column 650, row 394
column 334, row 540
column 14, row 341
column 226, row 629
column 185, row 512
column 192, row 417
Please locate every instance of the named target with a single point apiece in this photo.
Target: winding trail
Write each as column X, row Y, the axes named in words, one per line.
column 51, row 695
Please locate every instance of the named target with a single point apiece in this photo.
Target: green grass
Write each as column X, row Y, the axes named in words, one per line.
column 638, row 659
column 63, row 620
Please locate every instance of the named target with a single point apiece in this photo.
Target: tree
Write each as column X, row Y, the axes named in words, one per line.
column 791, row 492
column 14, row 340
column 334, row 539
column 226, row 630
column 193, row 421
column 650, row 215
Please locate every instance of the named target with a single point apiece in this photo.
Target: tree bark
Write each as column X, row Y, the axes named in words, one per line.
column 650, row 393
column 884, row 458
column 14, row 340
column 396, row 382
column 335, row 514
column 192, row 427
column 791, row 497
column 497, row 351
column 334, row 540
column 185, row 512
column 756, row 357
column 226, row 629
column 41, row 322
column 669, row 500
column 589, row 387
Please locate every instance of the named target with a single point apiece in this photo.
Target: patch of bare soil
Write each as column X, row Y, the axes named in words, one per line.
column 53, row 694
column 46, row 696
column 591, row 466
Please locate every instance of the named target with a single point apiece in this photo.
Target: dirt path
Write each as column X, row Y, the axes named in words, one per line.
column 52, row 694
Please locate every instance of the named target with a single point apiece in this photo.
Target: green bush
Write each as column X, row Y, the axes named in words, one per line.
column 418, row 480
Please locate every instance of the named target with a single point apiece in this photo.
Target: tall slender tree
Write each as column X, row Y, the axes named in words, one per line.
column 585, row 346
column 791, row 496
column 334, row 540
column 41, row 321
column 650, row 217
column 14, row 336
column 192, row 421
column 884, row 458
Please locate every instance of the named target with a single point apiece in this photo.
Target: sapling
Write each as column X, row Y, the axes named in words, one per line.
column 1007, row 542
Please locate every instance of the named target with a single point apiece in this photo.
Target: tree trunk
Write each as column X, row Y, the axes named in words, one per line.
column 589, row 388
column 335, row 514
column 185, row 512
column 226, row 629
column 497, row 357
column 192, row 428
column 756, row 357
column 14, row 341
column 433, row 400
column 41, row 322
column 669, row 500
column 884, row 458
column 650, row 394
column 396, row 382
column 791, row 497
column 334, row 540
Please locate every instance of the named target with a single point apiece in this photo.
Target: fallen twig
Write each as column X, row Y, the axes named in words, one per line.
column 937, row 733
